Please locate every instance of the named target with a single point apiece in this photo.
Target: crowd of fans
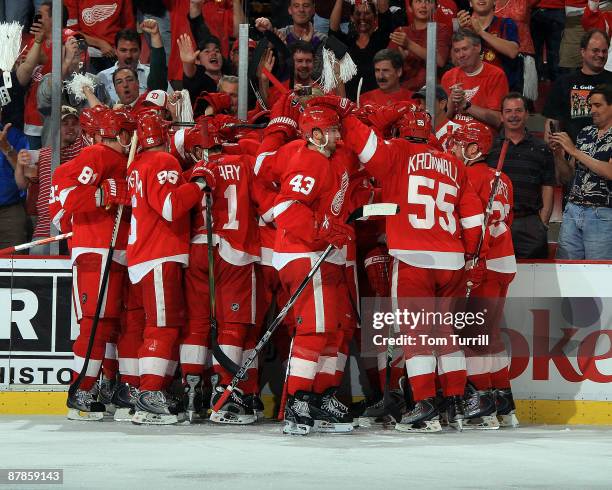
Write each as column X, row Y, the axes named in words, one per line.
column 493, row 59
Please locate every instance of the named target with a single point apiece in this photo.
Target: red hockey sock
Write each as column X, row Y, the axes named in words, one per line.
column 303, row 363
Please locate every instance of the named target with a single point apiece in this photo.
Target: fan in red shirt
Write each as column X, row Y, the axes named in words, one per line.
column 85, row 187
column 99, row 22
column 445, row 13
column 411, row 42
column 475, row 88
column 157, row 252
column 388, row 72
column 438, row 226
column 487, row 366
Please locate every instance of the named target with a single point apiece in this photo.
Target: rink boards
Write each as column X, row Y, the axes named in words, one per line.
column 558, row 319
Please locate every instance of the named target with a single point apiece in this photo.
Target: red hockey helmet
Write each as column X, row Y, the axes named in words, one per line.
column 89, row 119
column 474, row 132
column 317, row 117
column 414, row 124
column 151, row 131
column 112, row 121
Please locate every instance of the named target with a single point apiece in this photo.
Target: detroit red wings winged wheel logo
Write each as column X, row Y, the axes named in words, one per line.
column 98, row 13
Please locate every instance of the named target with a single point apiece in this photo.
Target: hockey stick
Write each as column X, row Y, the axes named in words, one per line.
column 381, row 209
column 104, row 283
column 35, row 243
column 220, row 356
column 489, row 210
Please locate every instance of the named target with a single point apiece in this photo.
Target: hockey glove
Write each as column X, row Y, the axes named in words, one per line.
column 219, row 101
column 112, row 192
column 203, row 175
column 475, row 273
column 332, row 230
column 284, row 115
column 342, row 106
column 377, row 266
column 387, row 116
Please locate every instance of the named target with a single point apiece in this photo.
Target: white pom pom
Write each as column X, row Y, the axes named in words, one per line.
column 530, row 78
column 10, row 43
column 78, row 82
column 347, row 70
column 328, row 77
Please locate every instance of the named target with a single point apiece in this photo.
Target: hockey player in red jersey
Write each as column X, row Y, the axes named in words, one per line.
column 440, row 219
column 236, row 250
column 88, row 188
column 157, row 252
column 487, row 367
column 310, row 213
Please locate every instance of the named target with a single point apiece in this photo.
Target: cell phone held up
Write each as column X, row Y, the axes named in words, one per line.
column 553, row 127
column 304, row 90
column 37, row 18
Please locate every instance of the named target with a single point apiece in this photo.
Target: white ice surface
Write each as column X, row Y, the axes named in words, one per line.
column 123, row 456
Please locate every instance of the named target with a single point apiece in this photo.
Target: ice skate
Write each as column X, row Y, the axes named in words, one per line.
column 176, row 405
column 377, row 414
column 153, row 408
column 83, row 406
column 193, row 396
column 504, row 402
column 330, row 414
column 298, row 420
column 480, row 411
column 451, row 412
column 124, row 400
column 424, row 417
column 256, row 404
column 106, row 388
column 236, row 409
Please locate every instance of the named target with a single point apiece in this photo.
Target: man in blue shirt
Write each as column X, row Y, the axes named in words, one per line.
column 12, row 212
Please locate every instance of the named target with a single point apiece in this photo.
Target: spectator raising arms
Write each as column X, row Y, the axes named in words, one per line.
column 371, row 25
column 475, row 88
column 411, row 42
column 205, row 75
column 150, row 77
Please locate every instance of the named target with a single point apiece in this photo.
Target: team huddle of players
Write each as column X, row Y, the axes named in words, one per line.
column 264, row 205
